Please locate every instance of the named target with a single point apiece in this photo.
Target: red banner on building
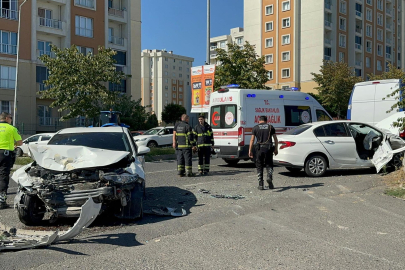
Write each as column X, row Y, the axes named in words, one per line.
column 202, row 85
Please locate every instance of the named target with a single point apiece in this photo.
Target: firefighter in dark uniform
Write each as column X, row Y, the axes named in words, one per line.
column 9, row 138
column 264, row 133
column 205, row 140
column 183, row 142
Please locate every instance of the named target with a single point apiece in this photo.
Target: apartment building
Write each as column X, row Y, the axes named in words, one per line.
column 165, row 78
column 296, row 35
column 86, row 23
column 235, row 36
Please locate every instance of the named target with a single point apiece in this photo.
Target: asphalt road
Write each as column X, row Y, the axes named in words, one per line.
column 340, row 221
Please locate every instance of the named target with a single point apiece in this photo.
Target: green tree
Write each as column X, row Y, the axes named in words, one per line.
column 335, row 83
column 326, row 107
column 394, row 73
column 151, row 122
column 172, row 113
column 77, row 82
column 132, row 112
column 240, row 66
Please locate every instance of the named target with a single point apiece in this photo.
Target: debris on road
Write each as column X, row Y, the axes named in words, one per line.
column 15, row 239
column 221, row 196
column 203, row 190
column 167, row 211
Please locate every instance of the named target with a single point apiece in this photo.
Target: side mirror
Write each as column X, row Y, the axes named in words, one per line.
column 143, row 150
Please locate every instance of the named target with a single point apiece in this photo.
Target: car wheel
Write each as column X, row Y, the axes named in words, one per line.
column 32, row 211
column 315, row 166
column 396, row 161
column 152, row 144
column 18, row 152
column 231, row 162
column 293, row 169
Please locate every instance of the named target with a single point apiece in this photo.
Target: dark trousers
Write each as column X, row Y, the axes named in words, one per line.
column 5, row 168
column 264, row 159
column 204, row 155
column 184, row 161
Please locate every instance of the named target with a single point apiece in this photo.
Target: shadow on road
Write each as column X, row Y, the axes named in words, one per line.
column 332, row 173
column 299, row 187
column 241, row 165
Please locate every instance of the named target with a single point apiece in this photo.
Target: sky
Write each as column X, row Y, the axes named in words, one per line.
column 181, row 25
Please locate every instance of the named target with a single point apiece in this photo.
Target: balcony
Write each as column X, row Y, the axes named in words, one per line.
column 388, row 12
column 389, row 26
column 328, row 6
column 42, row 87
column 357, row 46
column 51, row 26
column 368, row 49
column 359, row 14
column 117, row 40
column 388, row 41
column 328, row 24
column 388, row 56
column 359, row 30
column 8, row 49
column 9, row 14
column 328, row 41
column 327, row 57
column 213, row 48
column 119, row 15
column 358, row 63
column 42, row 52
column 85, row 3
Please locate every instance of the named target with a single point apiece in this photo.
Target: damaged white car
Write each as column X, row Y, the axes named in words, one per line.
column 81, row 163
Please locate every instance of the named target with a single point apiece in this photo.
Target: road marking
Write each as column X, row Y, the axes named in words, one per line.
column 343, row 189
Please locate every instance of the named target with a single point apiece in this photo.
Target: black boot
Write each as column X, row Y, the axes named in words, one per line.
column 269, row 179
column 261, row 186
column 260, row 178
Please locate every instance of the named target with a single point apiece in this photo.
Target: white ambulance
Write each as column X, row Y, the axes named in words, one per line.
column 233, row 112
column 370, row 102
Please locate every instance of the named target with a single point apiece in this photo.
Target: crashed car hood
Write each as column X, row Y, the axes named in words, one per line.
column 64, row 158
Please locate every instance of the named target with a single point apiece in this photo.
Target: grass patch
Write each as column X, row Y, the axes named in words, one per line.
column 160, row 151
column 396, row 183
column 23, row 160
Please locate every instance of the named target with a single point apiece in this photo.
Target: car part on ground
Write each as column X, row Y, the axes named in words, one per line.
column 13, row 239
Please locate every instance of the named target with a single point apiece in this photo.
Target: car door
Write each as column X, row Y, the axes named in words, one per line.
column 31, row 139
column 168, row 137
column 336, row 139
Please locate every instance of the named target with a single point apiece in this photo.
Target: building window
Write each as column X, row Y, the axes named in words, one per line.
column 7, row 77
column 269, row 59
column 285, row 73
column 180, row 95
column 285, row 39
column 359, row 9
column 270, row 75
column 380, row 4
column 368, row 62
column 369, row 30
column 166, row 94
column 166, row 87
column 269, row 42
column 286, row 5
column 369, row 15
column 166, row 59
column 180, row 68
column 379, row 19
column 222, row 44
column 379, row 67
column 239, row 41
column 341, row 56
column 369, row 2
column 180, row 89
column 380, row 34
column 342, row 7
column 84, row 50
column 269, row 10
column 121, row 87
column 269, row 26
column 342, row 23
column 357, row 41
column 342, row 41
column 9, row 9
column 44, row 114
column 84, row 26
column 174, row 81
column 285, row 56
column 379, row 50
column 8, row 42
column 85, row 3
column 174, row 88
column 166, row 66
column 120, row 58
column 286, row 22
column 166, row 80
column 166, row 73
column 327, row 53
column 7, row 106
column 369, row 46
column 174, row 95
column 44, row 47
column 180, row 102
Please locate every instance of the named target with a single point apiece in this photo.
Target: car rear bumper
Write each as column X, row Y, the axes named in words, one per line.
column 232, row 152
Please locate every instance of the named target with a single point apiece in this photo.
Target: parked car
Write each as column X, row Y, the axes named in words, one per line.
column 158, row 136
column 387, row 124
column 79, row 163
column 23, row 149
column 136, row 133
column 315, row 147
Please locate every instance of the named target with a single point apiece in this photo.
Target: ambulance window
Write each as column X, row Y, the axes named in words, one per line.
column 297, row 115
column 223, row 116
column 322, row 116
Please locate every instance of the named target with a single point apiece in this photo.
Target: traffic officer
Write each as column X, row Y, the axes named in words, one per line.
column 183, row 142
column 9, row 138
column 205, row 140
column 264, row 133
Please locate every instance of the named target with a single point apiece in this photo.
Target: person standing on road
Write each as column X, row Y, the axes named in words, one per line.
column 183, row 142
column 9, row 138
column 264, row 133
column 205, row 140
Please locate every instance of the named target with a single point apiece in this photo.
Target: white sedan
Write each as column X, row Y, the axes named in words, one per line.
column 158, row 136
column 317, row 146
column 23, row 149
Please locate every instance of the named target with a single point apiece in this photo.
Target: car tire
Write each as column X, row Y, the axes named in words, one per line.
column 33, row 210
column 231, row 162
column 315, row 166
column 293, row 169
column 152, row 144
column 18, row 152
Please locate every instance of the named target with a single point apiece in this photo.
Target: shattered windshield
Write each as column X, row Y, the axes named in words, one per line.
column 116, row 141
column 152, row 131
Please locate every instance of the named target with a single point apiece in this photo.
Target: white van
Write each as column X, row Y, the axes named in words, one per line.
column 369, row 102
column 234, row 112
